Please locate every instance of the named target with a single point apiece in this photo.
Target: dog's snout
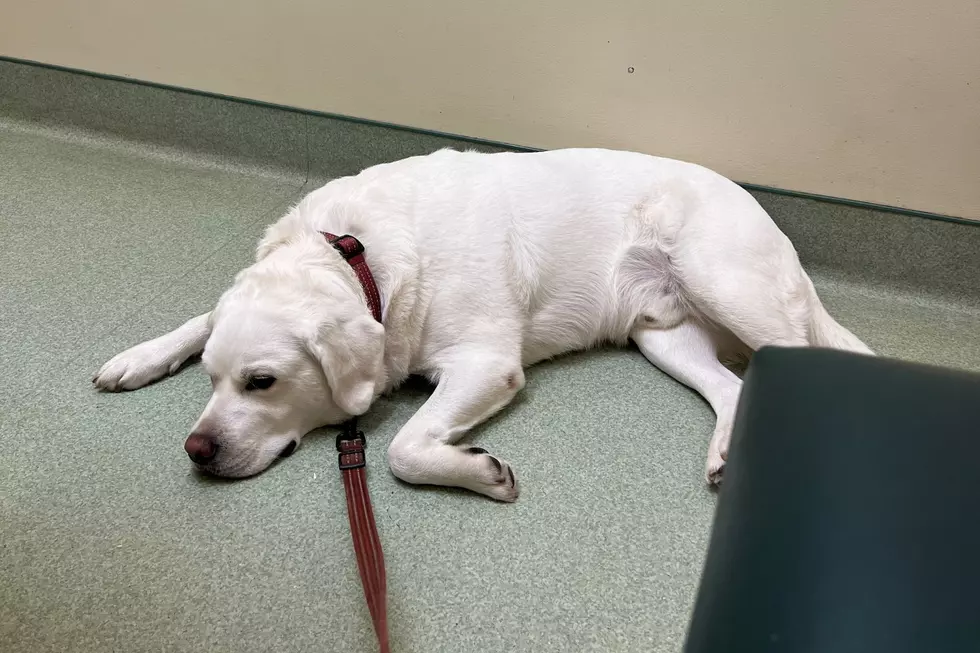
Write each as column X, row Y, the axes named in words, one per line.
column 201, row 447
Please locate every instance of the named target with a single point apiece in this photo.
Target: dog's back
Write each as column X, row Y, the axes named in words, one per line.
column 569, row 247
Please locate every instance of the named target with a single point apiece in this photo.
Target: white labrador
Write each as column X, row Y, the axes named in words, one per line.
column 486, row 263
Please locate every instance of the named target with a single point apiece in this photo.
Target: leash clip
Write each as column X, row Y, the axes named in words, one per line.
column 348, row 246
column 350, row 445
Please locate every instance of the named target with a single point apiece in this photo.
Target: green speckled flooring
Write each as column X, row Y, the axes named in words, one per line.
column 108, row 541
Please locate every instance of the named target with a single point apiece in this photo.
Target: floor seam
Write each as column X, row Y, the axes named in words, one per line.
column 148, row 150
column 173, row 282
column 34, row 391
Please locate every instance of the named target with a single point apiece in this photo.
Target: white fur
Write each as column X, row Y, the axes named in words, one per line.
column 487, row 263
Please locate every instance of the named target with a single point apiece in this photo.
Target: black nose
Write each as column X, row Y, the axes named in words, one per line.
column 288, row 450
column 201, row 447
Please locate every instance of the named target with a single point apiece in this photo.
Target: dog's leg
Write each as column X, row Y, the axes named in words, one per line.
column 689, row 354
column 470, row 389
column 154, row 359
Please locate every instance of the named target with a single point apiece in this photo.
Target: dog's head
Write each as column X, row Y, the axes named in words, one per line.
column 292, row 347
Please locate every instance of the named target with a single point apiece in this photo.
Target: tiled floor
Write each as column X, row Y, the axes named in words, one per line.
column 108, row 541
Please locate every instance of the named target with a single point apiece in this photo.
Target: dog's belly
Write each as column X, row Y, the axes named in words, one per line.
column 548, row 338
column 577, row 311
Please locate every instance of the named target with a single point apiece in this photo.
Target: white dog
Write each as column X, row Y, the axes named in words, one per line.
column 486, row 264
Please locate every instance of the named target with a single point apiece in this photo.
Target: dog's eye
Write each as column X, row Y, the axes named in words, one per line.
column 260, row 382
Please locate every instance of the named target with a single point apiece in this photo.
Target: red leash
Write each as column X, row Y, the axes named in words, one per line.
column 364, row 532
column 350, row 445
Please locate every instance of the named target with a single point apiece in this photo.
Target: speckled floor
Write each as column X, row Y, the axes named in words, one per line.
column 109, row 542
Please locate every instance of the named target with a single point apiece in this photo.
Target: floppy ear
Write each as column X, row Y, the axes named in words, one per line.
column 353, row 363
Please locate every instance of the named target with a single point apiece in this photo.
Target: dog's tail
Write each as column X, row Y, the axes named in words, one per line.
column 824, row 329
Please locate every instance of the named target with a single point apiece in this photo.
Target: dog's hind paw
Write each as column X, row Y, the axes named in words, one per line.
column 715, row 470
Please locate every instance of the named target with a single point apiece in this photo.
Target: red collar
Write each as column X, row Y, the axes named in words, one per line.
column 353, row 252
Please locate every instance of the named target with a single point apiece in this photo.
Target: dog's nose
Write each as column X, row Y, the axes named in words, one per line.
column 201, row 447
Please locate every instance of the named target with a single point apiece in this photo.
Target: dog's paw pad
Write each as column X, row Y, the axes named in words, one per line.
column 497, row 479
column 498, row 470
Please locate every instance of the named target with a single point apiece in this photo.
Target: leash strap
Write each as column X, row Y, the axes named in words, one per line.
column 364, row 532
column 351, row 460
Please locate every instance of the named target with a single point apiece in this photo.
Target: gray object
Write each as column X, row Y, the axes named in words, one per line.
column 848, row 518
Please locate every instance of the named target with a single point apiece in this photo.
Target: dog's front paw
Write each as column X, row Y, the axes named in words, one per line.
column 495, row 477
column 135, row 368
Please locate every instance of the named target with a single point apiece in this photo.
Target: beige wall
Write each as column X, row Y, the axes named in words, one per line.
column 876, row 100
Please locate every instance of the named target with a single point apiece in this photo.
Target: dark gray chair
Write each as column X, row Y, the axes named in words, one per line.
column 849, row 516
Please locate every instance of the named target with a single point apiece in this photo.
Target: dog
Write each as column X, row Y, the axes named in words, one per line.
column 485, row 264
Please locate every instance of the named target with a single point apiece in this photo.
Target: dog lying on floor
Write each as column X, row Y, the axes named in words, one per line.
column 486, row 264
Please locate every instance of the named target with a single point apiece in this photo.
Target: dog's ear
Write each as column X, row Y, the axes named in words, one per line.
column 353, row 362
